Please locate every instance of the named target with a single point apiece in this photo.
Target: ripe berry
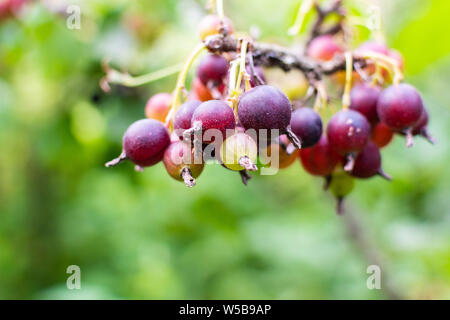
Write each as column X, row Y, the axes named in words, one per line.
column 381, row 135
column 368, row 163
column 144, row 143
column 212, row 69
column 158, row 106
column 324, row 48
column 341, row 185
column 211, row 25
column 364, row 99
column 239, row 152
column 202, row 92
column 348, row 133
column 400, row 108
column 183, row 117
column 265, row 107
column 307, row 126
column 321, row 159
column 420, row 128
column 213, row 114
column 180, row 165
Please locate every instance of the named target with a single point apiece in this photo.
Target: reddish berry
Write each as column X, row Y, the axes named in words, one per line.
column 264, row 107
column 183, row 117
column 307, row 126
column 381, row 135
column 400, row 108
column 348, row 131
column 158, row 106
column 324, row 48
column 368, row 163
column 180, row 165
column 364, row 99
column 286, row 152
column 212, row 69
column 144, row 143
column 319, row 160
column 213, row 114
column 211, row 25
column 202, row 92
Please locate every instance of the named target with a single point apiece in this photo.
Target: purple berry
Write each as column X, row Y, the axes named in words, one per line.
column 212, row 68
column 307, row 126
column 364, row 99
column 368, row 163
column 183, row 116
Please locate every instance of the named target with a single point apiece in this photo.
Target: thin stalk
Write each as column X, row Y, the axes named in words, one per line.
column 348, row 80
column 303, row 10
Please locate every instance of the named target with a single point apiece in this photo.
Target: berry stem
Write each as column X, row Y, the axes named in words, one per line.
column 293, row 137
column 384, row 175
column 348, row 80
column 122, row 157
column 245, row 176
column 247, row 164
column 186, row 174
column 409, row 138
column 125, row 79
column 424, row 133
column 340, row 210
column 219, row 8
column 181, row 80
column 303, row 10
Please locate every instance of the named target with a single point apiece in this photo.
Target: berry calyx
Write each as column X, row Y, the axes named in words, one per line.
column 400, row 108
column 158, row 106
column 381, row 135
column 368, row 163
column 364, row 99
column 239, row 152
column 179, row 162
column 324, row 48
column 348, row 133
column 321, row 159
column 212, row 24
column 144, row 143
column 307, row 126
column 421, row 127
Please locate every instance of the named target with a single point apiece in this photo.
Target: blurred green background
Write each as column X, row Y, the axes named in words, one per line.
column 146, row 236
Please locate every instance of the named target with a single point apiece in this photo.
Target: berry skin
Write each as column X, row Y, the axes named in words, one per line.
column 323, row 48
column 212, row 69
column 319, row 160
column 144, row 143
column 183, row 117
column 239, row 152
column 400, row 108
column 158, row 106
column 213, row 114
column 368, row 163
column 348, row 132
column 202, row 92
column 373, row 46
column 264, row 107
column 211, row 25
column 381, row 135
column 179, row 163
column 364, row 98
column 420, row 128
column 307, row 126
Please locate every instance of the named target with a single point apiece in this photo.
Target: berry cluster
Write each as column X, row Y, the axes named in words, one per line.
column 233, row 117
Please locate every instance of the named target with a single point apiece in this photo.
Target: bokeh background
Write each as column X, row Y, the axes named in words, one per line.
column 146, row 236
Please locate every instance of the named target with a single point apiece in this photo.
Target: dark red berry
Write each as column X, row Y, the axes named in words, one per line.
column 348, row 132
column 212, row 69
column 179, row 162
column 319, row 160
column 368, row 163
column 364, row 99
column 183, row 117
column 264, row 107
column 144, row 143
column 324, row 48
column 213, row 114
column 307, row 126
column 400, row 108
column 381, row 135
